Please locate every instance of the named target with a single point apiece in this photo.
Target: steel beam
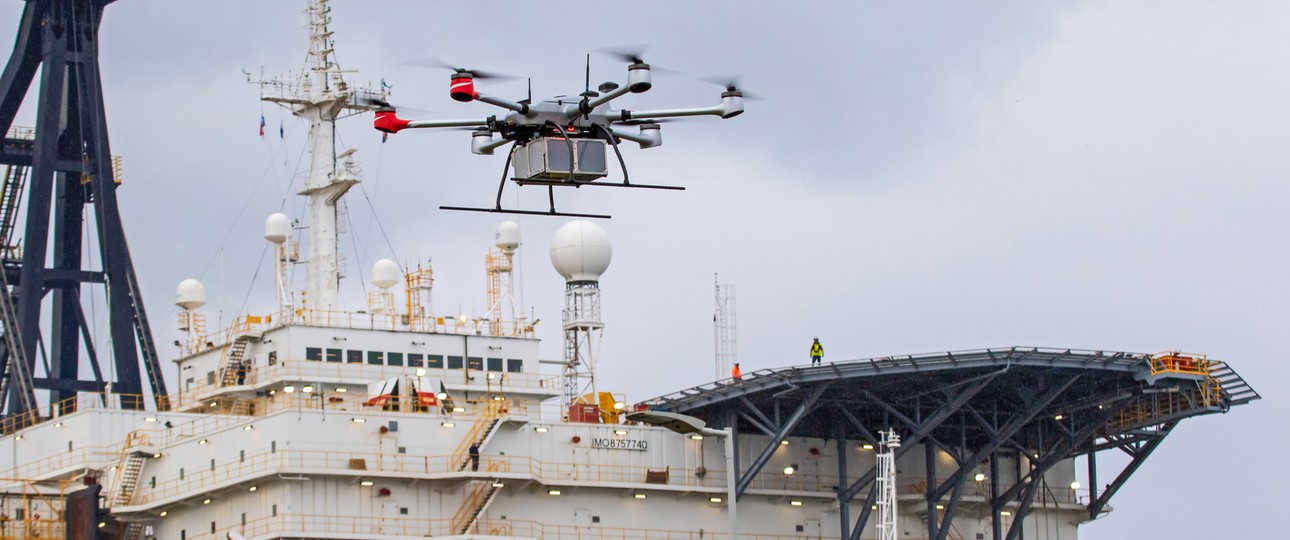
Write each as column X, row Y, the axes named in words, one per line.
column 1096, row 506
column 756, row 466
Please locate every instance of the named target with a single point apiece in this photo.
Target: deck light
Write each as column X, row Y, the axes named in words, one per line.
column 940, row 507
column 207, row 501
column 365, row 483
column 214, row 404
column 19, row 437
column 288, row 389
column 157, row 455
column 58, row 424
column 307, row 389
column 203, row 441
column 866, row 446
column 248, row 427
column 980, row 477
column 1058, row 417
column 341, row 389
column 442, row 395
column 164, row 513
column 447, row 424
column 618, row 406
column 553, row 492
column 492, row 376
column 358, row 420
column 497, row 398
column 639, row 495
column 102, row 524
column 421, row 372
column 540, row 429
column 252, row 489
column 272, row 392
column 620, row 432
column 714, row 499
column 150, row 419
column 783, row 442
column 1075, row 484
column 795, row 503
column 458, row 409
column 498, row 485
column 1005, row 513
column 790, row 469
column 696, row 437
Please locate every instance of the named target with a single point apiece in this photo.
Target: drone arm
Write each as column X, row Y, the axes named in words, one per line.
column 732, row 104
column 521, row 108
column 465, row 122
column 389, row 122
column 647, row 138
column 615, row 94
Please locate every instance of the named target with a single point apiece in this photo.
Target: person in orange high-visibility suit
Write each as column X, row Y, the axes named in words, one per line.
column 735, row 373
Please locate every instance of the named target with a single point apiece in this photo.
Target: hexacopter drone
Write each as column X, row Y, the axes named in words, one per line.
column 560, row 141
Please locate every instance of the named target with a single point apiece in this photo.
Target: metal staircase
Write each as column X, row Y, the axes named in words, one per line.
column 1235, row 390
column 479, row 433
column 233, row 362
column 15, row 179
column 468, row 515
column 128, row 469
column 17, row 354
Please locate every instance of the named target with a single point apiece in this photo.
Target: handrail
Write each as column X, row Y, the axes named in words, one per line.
column 492, row 411
column 461, row 520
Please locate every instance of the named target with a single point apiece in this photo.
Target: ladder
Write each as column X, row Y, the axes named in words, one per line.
column 15, row 179
column 233, row 361
column 17, row 354
column 133, row 531
column 468, row 515
column 128, row 469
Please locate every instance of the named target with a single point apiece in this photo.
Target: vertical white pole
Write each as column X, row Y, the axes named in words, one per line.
column 732, row 477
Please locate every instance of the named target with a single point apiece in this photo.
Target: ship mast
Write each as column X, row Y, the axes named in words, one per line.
column 320, row 96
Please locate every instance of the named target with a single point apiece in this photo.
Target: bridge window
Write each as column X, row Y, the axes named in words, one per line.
column 494, row 364
column 313, row 353
column 333, row 355
column 514, row 365
column 434, row 361
column 454, row 362
column 376, row 358
column 354, row 357
column 474, row 362
column 394, row 358
column 416, row 359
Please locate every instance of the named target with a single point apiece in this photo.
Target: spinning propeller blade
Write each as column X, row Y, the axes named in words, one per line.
column 731, row 84
column 436, row 63
column 634, row 54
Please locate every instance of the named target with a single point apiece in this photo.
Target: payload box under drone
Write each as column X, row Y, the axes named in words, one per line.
column 561, row 141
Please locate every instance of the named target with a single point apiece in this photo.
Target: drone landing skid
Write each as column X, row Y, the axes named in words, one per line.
column 560, row 183
column 525, row 212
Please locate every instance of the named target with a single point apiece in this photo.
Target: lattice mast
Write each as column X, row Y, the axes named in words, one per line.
column 499, row 266
column 724, row 335
column 581, row 252
column 320, row 95
column 887, row 521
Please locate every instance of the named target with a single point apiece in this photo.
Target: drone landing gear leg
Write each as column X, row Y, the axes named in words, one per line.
column 497, row 207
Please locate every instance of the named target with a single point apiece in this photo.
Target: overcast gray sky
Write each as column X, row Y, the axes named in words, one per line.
column 921, row 177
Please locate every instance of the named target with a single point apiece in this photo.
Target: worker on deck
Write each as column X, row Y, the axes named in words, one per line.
column 474, row 456
column 817, row 352
column 735, row 373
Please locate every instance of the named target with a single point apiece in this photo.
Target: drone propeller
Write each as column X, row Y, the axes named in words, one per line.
column 375, row 103
column 634, row 54
column 731, row 84
column 436, row 63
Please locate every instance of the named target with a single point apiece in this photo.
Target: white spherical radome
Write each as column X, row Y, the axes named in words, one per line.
column 277, row 228
column 508, row 236
column 190, row 294
column 581, row 251
column 385, row 274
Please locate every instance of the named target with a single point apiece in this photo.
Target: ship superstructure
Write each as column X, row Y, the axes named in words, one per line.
column 393, row 422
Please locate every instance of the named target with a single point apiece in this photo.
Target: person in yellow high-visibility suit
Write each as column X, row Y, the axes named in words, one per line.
column 817, row 352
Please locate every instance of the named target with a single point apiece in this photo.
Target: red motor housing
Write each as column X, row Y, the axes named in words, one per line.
column 463, row 87
column 387, row 121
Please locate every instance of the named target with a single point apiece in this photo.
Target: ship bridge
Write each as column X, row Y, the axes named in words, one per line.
column 1034, row 407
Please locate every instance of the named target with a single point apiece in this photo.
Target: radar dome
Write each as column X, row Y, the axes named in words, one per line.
column 385, row 273
column 277, row 228
column 508, row 236
column 580, row 251
column 190, row 294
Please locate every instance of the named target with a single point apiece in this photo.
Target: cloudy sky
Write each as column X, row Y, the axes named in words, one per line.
column 1099, row 175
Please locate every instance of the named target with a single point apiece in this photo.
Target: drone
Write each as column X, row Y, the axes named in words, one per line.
column 562, row 141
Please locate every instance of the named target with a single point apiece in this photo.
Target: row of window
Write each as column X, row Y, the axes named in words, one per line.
column 382, row 358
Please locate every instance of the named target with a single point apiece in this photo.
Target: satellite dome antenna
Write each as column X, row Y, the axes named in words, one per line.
column 581, row 252
column 499, row 267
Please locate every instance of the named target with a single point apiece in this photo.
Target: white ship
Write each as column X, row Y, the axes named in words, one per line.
column 397, row 422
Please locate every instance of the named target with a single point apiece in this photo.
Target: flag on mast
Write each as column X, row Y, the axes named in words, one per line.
column 261, row 126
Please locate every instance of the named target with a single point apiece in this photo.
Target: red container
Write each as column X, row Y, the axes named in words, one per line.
column 584, row 413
